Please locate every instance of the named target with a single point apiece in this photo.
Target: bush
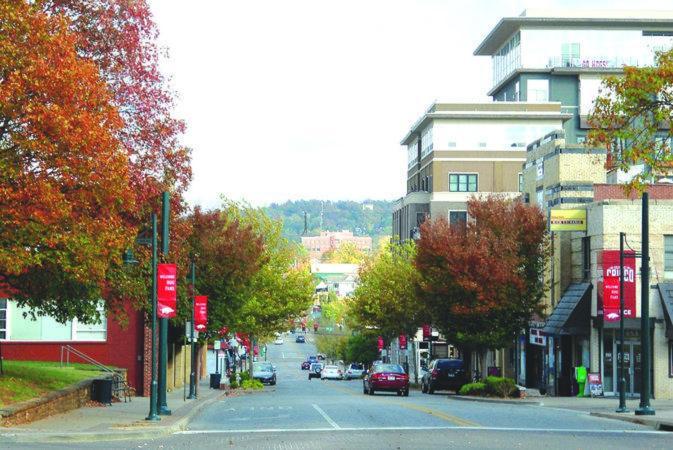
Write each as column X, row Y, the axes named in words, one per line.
column 477, row 388
column 244, row 376
column 252, row 384
column 500, row 387
column 233, row 384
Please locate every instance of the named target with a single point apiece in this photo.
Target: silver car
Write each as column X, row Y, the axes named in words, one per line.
column 332, row 373
column 354, row 371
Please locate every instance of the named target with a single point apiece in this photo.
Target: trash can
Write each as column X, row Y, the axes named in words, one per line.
column 215, row 379
column 101, row 391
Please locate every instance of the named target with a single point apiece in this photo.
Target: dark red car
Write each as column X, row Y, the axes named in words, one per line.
column 386, row 377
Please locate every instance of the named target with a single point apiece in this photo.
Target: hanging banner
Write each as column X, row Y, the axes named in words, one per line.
column 427, row 331
column 379, row 343
column 568, row 220
column 611, row 285
column 166, row 290
column 403, row 342
column 200, row 312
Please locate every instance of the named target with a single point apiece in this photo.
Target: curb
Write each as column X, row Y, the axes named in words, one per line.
column 121, row 435
column 640, row 420
column 492, row 400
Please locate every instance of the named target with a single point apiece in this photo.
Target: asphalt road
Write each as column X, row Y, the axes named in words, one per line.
column 298, row 413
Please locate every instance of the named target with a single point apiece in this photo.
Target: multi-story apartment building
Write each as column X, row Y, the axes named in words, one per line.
column 460, row 150
column 331, row 240
column 561, row 56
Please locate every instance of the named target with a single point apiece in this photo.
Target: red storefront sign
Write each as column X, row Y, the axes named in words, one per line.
column 611, row 285
column 200, row 312
column 167, row 275
column 403, row 342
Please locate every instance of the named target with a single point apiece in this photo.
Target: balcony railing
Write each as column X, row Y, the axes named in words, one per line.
column 594, row 62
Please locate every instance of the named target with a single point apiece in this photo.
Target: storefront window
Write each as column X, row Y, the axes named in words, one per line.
column 608, row 361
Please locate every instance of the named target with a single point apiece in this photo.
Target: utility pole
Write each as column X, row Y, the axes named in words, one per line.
column 644, row 408
column 162, row 406
column 153, row 387
column 192, row 371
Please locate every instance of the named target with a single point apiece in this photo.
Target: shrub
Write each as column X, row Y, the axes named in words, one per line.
column 252, row 384
column 244, row 376
column 500, row 386
column 233, row 384
column 477, row 388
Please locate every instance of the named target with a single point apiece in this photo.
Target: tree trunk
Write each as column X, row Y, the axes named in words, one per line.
column 251, row 356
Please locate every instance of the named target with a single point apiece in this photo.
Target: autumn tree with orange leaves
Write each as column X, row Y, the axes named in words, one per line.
column 65, row 188
column 481, row 281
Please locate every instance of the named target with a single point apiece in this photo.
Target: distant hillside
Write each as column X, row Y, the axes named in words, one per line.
column 340, row 215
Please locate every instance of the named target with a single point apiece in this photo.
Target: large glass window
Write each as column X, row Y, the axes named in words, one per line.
column 668, row 256
column 457, row 217
column 507, row 59
column 570, row 54
column 3, row 318
column 538, row 90
column 412, row 153
column 462, row 182
column 426, row 142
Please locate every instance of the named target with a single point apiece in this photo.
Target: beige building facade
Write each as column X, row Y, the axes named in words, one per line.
column 331, row 240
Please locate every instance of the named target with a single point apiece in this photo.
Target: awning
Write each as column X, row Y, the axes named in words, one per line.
column 572, row 314
column 666, row 292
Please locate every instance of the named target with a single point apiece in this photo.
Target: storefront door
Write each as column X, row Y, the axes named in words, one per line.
column 632, row 368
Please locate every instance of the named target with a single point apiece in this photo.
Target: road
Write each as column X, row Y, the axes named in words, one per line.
column 298, row 413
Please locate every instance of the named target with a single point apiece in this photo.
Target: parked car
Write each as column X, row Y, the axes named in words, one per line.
column 264, row 372
column 315, row 370
column 444, row 374
column 332, row 372
column 386, row 377
column 310, row 359
column 354, row 371
column 278, row 341
column 300, row 339
column 306, row 365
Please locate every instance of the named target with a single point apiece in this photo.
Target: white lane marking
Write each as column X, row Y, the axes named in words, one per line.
column 326, row 417
column 282, row 355
column 509, row 429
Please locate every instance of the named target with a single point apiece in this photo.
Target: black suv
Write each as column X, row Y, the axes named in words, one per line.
column 444, row 374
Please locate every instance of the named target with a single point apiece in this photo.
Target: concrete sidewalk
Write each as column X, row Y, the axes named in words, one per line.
column 598, row 406
column 116, row 422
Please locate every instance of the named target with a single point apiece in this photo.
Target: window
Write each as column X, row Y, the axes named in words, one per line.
column 426, row 142
column 540, row 198
column 459, row 182
column 3, row 318
column 668, row 256
column 570, row 54
column 516, row 91
column 520, row 182
column 538, row 90
column 457, row 218
column 586, row 258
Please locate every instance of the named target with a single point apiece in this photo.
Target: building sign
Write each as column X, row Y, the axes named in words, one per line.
column 166, row 290
column 539, row 169
column 537, row 338
column 595, row 384
column 568, row 220
column 200, row 312
column 611, row 285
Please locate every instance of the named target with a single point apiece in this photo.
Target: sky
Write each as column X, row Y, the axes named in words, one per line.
column 309, row 99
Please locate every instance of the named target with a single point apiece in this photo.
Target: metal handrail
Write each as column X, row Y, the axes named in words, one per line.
column 116, row 376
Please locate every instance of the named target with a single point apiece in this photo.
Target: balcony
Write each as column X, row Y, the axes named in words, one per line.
column 593, row 62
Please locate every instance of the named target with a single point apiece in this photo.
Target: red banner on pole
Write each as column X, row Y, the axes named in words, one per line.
column 427, row 332
column 167, row 275
column 611, row 285
column 380, row 343
column 200, row 312
column 403, row 342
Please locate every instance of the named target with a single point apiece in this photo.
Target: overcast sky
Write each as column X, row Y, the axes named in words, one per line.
column 305, row 99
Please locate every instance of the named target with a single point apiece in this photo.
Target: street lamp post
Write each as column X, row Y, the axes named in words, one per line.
column 192, row 373
column 153, row 390
column 622, row 380
column 163, row 322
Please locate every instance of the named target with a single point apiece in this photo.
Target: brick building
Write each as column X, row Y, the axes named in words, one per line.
column 331, row 240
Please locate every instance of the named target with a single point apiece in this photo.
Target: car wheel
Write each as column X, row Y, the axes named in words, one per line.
column 371, row 390
column 424, row 388
column 431, row 390
column 364, row 389
column 406, row 392
column 399, row 393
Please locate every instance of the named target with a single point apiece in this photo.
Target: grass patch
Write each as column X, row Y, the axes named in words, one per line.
column 24, row 380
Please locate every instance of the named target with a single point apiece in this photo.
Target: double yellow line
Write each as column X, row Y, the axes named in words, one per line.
column 413, row 406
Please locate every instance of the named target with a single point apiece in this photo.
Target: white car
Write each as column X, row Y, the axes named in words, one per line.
column 332, row 373
column 278, row 341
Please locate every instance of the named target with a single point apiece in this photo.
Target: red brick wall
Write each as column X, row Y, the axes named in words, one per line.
column 616, row 192
column 122, row 349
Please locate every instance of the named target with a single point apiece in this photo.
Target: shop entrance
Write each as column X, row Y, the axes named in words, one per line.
column 632, row 366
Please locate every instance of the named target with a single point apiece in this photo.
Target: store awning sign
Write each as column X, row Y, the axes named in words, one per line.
column 568, row 220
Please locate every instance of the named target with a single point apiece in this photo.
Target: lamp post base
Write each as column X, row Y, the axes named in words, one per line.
column 645, row 411
column 622, row 409
column 153, row 417
column 164, row 411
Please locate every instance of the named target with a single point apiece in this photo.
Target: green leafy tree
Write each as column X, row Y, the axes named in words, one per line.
column 631, row 119
column 346, row 253
column 362, row 348
column 385, row 298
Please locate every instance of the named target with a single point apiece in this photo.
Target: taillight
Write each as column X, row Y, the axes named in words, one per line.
column 435, row 372
column 376, row 376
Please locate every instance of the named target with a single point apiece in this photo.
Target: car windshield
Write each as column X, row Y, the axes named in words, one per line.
column 356, row 366
column 264, row 367
column 395, row 368
column 450, row 364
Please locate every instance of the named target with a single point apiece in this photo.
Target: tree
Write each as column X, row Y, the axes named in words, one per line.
column 631, row 119
column 385, row 298
column 64, row 180
column 362, row 348
column 481, row 281
column 346, row 253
